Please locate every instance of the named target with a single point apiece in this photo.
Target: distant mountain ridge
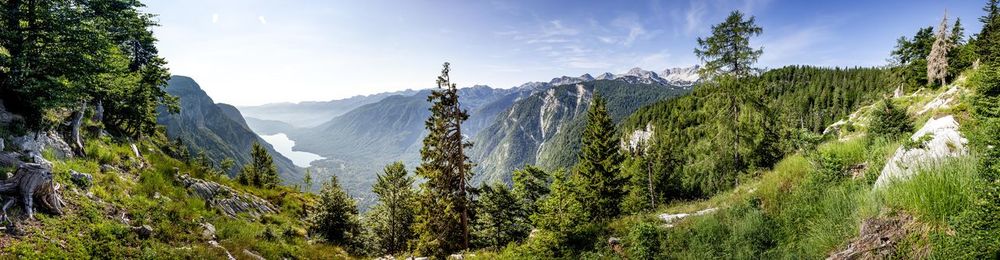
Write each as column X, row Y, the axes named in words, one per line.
column 313, row 113
column 217, row 129
column 510, row 127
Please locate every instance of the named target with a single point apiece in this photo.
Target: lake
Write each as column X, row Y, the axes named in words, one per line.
column 284, row 146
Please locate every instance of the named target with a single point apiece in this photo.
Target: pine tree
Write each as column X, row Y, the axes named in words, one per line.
column 988, row 40
column 530, row 185
column 500, row 218
column 728, row 51
column 937, row 61
column 392, row 217
column 598, row 171
column 336, row 217
column 443, row 215
column 561, row 220
column 889, row 121
column 308, row 180
column 261, row 171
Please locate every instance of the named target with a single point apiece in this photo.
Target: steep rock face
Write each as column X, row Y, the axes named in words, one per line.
column 215, row 129
column 544, row 129
column 359, row 143
column 944, row 142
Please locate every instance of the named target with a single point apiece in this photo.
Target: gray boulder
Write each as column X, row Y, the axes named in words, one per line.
column 144, row 231
column 230, row 202
column 945, row 141
column 33, row 144
column 84, row 180
column 1, row 144
column 208, row 232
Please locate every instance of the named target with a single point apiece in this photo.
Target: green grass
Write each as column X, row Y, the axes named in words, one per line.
column 934, row 194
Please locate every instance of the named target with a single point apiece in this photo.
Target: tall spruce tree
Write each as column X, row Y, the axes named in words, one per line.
column 988, row 41
column 728, row 51
column 937, row 60
column 391, row 218
column 599, row 169
column 443, row 218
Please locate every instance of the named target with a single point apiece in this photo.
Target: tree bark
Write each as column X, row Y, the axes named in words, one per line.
column 77, row 123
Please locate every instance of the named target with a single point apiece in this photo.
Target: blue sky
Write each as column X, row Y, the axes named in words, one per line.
column 248, row 52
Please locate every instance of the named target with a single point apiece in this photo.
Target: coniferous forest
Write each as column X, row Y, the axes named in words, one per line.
column 105, row 154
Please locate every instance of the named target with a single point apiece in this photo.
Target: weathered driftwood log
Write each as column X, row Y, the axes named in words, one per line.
column 32, row 183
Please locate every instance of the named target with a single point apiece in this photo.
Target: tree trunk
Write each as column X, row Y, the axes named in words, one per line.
column 649, row 177
column 76, row 124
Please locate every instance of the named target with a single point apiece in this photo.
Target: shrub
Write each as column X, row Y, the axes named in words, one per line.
column 888, row 121
column 644, row 241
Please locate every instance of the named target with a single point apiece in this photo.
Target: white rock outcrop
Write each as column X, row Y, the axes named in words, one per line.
column 945, row 142
column 671, row 218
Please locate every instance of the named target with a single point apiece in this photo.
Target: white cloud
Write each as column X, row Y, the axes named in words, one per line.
column 215, row 18
column 694, row 16
column 634, row 29
column 794, row 44
column 262, row 19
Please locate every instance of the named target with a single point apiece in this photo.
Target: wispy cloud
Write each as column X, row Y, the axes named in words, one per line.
column 215, row 18
column 694, row 16
column 632, row 26
column 262, row 19
column 794, row 44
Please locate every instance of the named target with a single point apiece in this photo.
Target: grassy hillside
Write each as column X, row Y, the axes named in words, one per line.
column 128, row 192
column 820, row 202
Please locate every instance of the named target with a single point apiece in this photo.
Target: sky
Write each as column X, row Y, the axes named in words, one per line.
column 251, row 52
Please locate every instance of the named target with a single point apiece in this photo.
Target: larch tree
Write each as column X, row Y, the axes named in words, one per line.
column 392, row 217
column 599, row 179
column 937, row 61
column 444, row 201
column 728, row 50
column 730, row 59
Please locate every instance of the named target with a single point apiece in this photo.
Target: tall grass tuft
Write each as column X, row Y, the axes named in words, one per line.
column 935, row 193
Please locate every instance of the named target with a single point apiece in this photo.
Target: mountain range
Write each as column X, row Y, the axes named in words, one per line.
column 528, row 124
column 217, row 130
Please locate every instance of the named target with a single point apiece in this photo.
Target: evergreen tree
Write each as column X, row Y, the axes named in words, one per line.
column 728, row 51
column 392, row 217
column 962, row 53
column 71, row 55
column 261, row 171
column 308, row 180
column 336, row 217
column 598, row 171
column 530, row 185
column 500, row 218
column 638, row 196
column 910, row 58
column 562, row 221
column 988, row 40
column 937, row 60
column 443, row 215
column 888, row 121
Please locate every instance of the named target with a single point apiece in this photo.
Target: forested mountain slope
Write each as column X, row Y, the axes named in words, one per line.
column 217, row 131
column 544, row 128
